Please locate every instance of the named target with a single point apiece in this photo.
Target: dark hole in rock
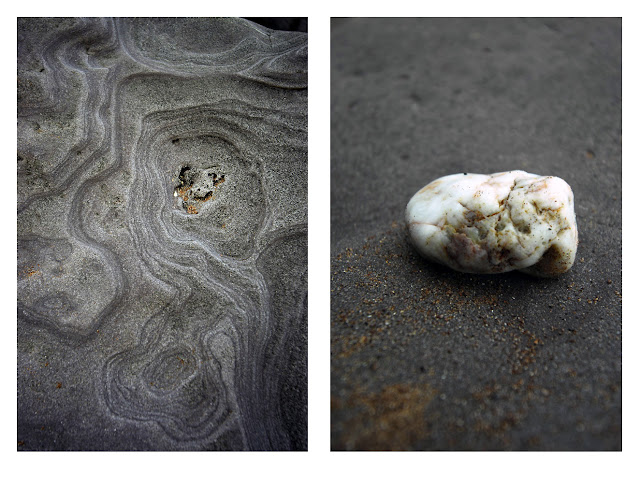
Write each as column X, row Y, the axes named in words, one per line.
column 183, row 173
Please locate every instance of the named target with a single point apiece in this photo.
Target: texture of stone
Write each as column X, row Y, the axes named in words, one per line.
column 496, row 223
column 162, row 222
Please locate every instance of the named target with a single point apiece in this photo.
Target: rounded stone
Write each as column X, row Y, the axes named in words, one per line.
column 496, row 223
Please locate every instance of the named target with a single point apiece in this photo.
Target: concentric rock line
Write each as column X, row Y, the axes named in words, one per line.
column 162, row 232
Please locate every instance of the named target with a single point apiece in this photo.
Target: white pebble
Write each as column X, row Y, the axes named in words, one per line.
column 496, row 223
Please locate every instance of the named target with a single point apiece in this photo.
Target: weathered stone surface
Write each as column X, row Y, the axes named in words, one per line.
column 496, row 223
column 162, row 182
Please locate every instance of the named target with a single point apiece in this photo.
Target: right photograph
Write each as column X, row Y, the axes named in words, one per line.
column 476, row 234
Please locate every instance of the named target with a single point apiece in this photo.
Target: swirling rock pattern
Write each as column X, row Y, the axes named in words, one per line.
column 162, row 268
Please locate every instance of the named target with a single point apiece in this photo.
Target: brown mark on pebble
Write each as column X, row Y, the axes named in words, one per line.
column 431, row 186
column 552, row 263
column 463, row 250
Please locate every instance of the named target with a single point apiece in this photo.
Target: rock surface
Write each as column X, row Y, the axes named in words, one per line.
column 162, row 182
column 496, row 223
column 423, row 358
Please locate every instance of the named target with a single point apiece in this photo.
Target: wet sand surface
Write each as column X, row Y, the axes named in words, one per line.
column 425, row 358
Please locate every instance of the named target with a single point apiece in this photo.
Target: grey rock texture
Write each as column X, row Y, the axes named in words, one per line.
column 162, row 223
column 425, row 358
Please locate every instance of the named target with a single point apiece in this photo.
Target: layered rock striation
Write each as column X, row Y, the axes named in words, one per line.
column 162, row 223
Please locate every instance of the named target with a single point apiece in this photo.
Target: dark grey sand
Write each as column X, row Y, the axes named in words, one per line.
column 424, row 358
column 162, row 223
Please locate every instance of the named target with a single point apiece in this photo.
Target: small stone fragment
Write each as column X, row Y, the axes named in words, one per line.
column 496, row 223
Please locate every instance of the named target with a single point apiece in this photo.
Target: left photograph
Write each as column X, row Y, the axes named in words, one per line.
column 162, row 234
